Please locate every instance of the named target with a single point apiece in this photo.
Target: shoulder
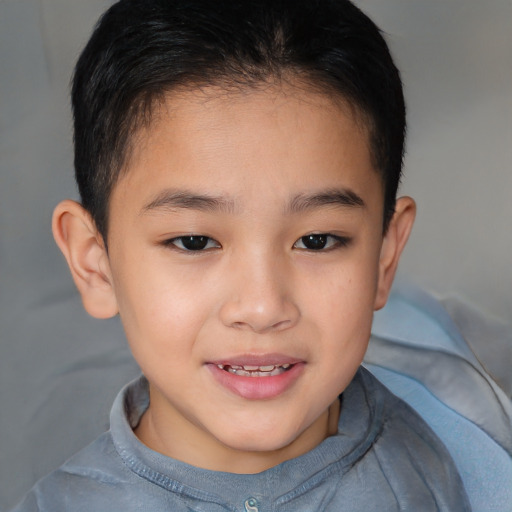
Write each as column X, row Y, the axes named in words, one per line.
column 422, row 356
column 396, row 424
column 404, row 457
column 96, row 478
column 93, row 473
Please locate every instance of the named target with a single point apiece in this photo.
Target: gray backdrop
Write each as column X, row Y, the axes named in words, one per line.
column 456, row 60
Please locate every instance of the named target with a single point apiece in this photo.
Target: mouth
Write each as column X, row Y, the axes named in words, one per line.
column 256, row 371
column 258, row 377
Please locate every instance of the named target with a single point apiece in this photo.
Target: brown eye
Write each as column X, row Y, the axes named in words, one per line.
column 314, row 242
column 321, row 242
column 193, row 243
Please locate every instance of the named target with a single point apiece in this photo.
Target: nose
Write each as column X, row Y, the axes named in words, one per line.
column 261, row 297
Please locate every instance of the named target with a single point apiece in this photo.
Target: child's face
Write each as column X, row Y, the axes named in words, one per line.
column 246, row 232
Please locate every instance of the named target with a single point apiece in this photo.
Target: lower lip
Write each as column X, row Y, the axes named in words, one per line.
column 257, row 388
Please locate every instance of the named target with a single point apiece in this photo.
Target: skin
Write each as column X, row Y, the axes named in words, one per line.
column 255, row 172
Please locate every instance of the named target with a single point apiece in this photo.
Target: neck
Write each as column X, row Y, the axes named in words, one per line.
column 200, row 449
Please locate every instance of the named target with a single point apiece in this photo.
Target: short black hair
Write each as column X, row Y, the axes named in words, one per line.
column 142, row 49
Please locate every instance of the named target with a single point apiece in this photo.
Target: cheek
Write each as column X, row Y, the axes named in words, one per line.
column 347, row 289
column 341, row 306
column 161, row 313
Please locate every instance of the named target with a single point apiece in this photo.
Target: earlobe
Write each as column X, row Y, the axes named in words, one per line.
column 77, row 237
column 392, row 246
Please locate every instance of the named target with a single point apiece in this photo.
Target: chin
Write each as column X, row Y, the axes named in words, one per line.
column 260, row 440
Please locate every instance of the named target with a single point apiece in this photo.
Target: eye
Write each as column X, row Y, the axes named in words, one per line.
column 193, row 243
column 321, row 242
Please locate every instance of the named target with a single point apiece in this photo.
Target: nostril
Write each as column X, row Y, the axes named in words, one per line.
column 259, row 312
column 281, row 325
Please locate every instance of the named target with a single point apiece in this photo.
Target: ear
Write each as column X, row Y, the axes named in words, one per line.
column 392, row 246
column 82, row 245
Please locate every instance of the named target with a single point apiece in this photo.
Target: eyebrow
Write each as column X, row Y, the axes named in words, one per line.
column 171, row 200
column 330, row 197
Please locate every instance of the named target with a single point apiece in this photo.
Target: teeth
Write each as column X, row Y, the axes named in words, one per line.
column 255, row 371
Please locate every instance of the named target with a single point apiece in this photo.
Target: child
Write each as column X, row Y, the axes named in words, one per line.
column 238, row 164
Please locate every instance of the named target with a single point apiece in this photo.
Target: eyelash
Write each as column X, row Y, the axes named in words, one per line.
column 336, row 242
column 327, row 242
column 180, row 241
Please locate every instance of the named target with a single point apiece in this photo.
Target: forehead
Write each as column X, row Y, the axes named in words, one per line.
column 274, row 139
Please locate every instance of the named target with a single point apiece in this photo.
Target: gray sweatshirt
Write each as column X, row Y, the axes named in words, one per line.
column 383, row 458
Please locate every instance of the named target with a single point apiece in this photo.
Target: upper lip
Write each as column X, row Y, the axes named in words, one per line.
column 257, row 360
